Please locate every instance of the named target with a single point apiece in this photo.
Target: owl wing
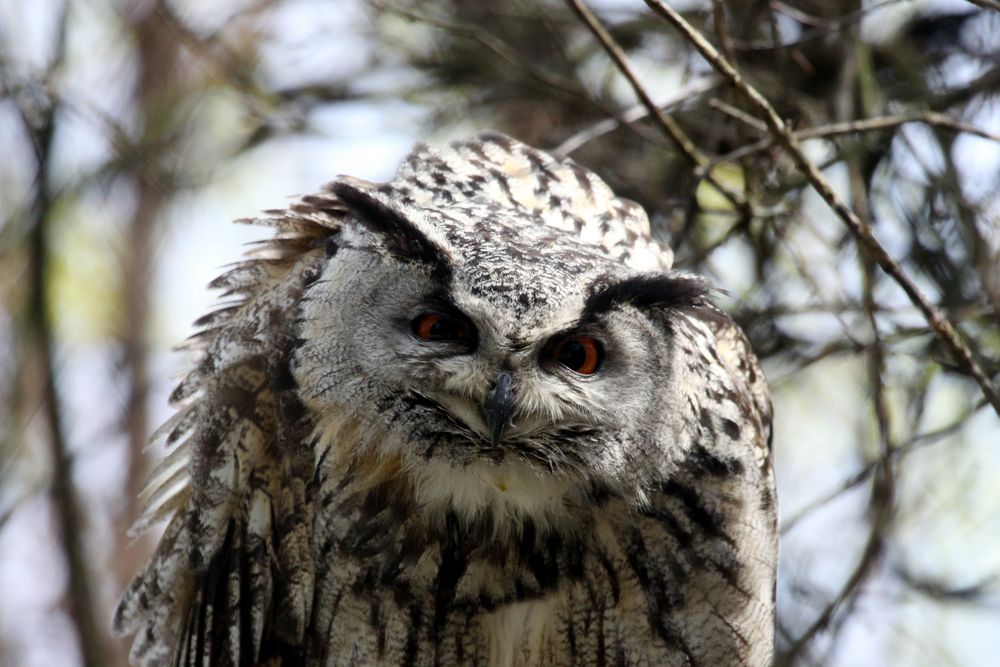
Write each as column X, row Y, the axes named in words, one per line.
column 231, row 580
column 741, row 362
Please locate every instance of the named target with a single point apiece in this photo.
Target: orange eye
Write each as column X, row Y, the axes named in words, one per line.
column 581, row 354
column 436, row 327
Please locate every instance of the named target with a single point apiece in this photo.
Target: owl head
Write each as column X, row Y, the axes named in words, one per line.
column 495, row 325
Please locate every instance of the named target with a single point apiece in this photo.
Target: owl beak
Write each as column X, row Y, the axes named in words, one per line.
column 498, row 407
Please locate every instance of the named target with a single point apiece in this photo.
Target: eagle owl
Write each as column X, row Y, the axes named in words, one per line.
column 470, row 416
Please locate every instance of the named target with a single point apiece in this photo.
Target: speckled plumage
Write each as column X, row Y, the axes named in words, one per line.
column 333, row 492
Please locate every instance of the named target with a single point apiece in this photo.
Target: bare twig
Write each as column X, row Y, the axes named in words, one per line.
column 882, row 499
column 502, row 49
column 669, row 126
column 617, row 54
column 883, row 484
column 638, row 112
column 739, row 115
column 808, row 19
column 722, row 28
column 982, row 592
column 985, row 84
column 897, row 453
column 870, row 556
column 862, row 232
column 853, row 127
column 821, row 29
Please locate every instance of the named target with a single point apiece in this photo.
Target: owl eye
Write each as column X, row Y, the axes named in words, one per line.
column 439, row 328
column 580, row 354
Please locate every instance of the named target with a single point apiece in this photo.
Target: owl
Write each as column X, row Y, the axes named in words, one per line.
column 470, row 416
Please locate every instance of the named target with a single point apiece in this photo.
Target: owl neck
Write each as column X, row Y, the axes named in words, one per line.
column 507, row 514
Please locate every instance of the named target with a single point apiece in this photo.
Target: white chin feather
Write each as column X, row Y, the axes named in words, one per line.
column 512, row 489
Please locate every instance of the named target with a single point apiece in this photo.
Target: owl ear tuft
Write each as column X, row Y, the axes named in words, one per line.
column 401, row 236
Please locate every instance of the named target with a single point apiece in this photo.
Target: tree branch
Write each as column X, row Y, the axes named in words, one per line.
column 633, row 114
column 861, row 231
column 39, row 324
column 853, row 127
column 677, row 136
column 883, row 484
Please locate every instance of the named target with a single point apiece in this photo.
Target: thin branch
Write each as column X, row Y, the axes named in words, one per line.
column 870, row 555
column 808, row 19
column 980, row 593
column 883, row 484
column 491, row 42
column 739, row 115
column 861, row 231
column 722, row 28
column 853, row 127
column 39, row 322
column 822, row 27
column 669, row 126
column 638, row 112
column 897, row 454
column 985, row 83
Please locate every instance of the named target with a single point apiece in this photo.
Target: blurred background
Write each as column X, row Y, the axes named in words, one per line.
column 133, row 131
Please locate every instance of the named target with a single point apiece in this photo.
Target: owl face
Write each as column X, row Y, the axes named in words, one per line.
column 475, row 343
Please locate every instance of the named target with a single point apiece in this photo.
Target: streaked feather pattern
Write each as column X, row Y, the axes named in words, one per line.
column 333, row 495
column 233, row 484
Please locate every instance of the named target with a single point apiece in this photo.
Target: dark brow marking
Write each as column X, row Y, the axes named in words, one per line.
column 651, row 291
